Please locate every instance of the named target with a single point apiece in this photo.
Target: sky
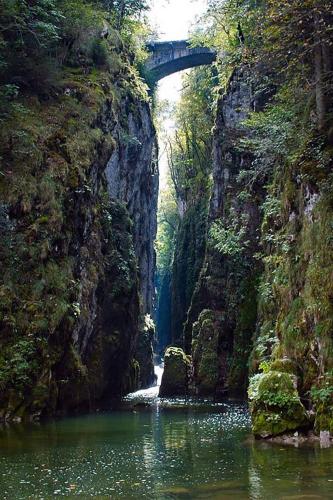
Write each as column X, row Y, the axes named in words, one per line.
column 173, row 19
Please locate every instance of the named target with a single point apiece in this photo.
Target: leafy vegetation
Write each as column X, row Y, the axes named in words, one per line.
column 229, row 240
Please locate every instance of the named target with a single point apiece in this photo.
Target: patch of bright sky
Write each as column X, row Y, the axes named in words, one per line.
column 173, row 20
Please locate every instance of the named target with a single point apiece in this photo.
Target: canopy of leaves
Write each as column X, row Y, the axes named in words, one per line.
column 189, row 150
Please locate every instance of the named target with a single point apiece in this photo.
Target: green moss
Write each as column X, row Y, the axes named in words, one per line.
column 275, row 404
column 298, row 309
column 244, row 331
column 284, row 365
column 187, row 262
column 322, row 398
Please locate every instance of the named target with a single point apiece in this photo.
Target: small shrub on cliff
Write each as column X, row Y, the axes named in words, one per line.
column 229, row 240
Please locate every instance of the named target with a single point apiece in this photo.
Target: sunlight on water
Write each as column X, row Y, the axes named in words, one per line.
column 189, row 451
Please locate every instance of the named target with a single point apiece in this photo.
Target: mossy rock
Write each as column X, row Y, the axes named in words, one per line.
column 175, row 377
column 131, row 383
column 275, row 404
column 284, row 365
column 205, row 352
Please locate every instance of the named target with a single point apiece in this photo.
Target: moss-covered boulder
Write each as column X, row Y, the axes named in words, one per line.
column 275, row 404
column 175, row 379
column 205, row 352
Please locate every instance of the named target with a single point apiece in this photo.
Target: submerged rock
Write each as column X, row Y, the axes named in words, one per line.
column 275, row 404
column 176, row 373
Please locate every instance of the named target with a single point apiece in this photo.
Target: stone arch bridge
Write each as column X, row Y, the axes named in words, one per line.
column 170, row 57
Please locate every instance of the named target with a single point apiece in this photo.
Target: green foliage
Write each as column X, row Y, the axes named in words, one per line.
column 265, row 366
column 322, row 394
column 273, row 389
column 230, row 27
column 229, row 240
column 18, row 364
column 167, row 222
column 189, row 150
column 39, row 37
column 122, row 10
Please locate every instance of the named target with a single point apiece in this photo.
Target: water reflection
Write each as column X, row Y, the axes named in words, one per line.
column 195, row 452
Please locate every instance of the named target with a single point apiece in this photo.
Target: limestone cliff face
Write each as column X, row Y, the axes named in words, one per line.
column 77, row 229
column 132, row 175
column 225, row 292
column 263, row 301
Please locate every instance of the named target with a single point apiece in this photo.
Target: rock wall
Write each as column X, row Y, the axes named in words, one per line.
column 263, row 301
column 77, row 227
column 132, row 175
column 164, row 313
column 225, row 292
column 187, row 261
column 295, row 324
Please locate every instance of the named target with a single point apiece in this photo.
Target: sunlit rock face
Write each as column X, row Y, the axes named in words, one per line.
column 227, row 284
column 176, row 375
column 132, row 176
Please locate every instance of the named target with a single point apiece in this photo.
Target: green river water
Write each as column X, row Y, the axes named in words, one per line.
column 178, row 450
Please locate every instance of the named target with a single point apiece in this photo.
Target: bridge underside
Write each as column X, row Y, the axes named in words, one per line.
column 181, row 63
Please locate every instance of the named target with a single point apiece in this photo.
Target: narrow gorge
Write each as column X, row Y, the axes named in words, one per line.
column 193, row 234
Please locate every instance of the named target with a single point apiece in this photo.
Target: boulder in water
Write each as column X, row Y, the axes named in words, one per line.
column 177, row 366
column 275, row 404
